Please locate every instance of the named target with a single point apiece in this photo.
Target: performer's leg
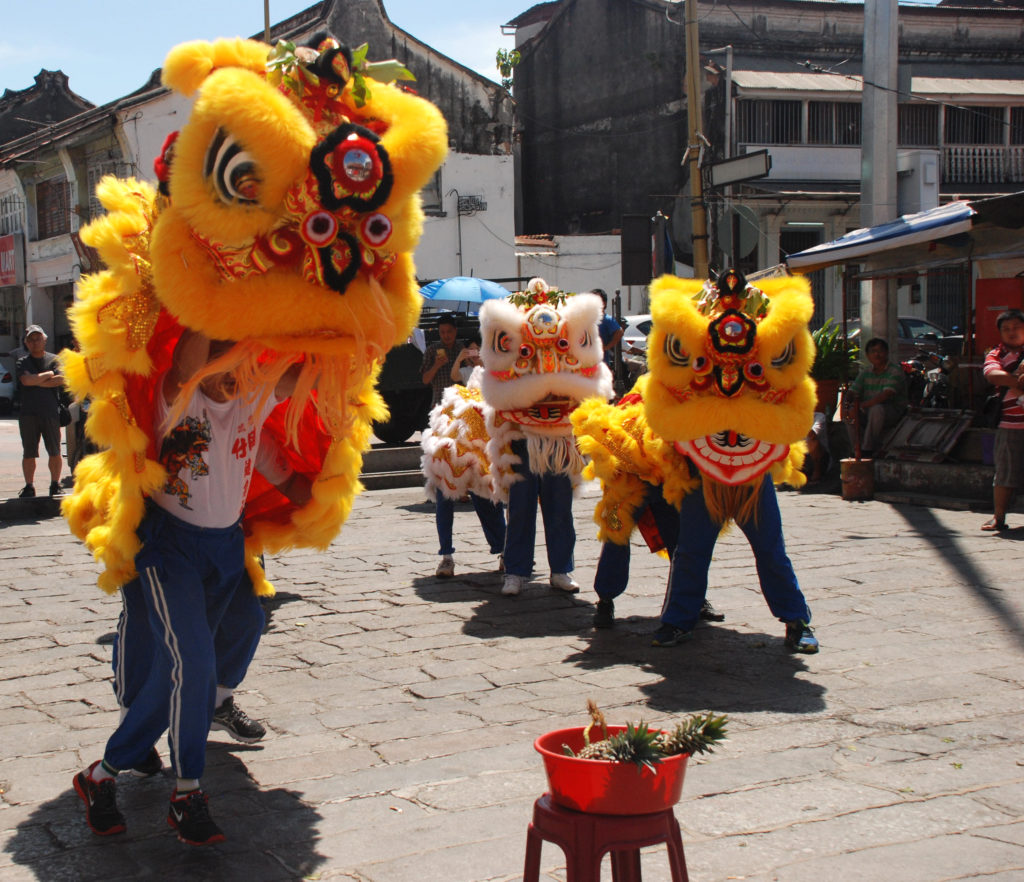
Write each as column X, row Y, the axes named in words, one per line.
column 559, row 530
column 444, row 518
column 238, row 634
column 175, row 607
column 774, row 570
column 612, row 574
column 688, row 575
column 521, row 527
column 133, row 645
column 492, row 521
column 666, row 517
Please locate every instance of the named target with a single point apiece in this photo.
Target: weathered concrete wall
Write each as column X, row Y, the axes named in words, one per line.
column 600, row 102
column 479, row 112
column 485, row 238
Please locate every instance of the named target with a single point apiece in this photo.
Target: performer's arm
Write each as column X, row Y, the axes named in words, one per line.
column 190, row 354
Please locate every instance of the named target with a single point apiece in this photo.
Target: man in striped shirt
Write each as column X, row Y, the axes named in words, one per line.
column 879, row 396
column 1003, row 368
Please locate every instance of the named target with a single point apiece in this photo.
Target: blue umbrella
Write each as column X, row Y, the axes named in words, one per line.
column 466, row 289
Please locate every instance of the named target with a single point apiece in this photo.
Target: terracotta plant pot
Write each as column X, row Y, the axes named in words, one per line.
column 603, row 787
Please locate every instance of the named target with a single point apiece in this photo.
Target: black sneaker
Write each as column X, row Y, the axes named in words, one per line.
column 800, row 638
column 669, row 635
column 189, row 814
column 54, row 488
column 101, row 812
column 604, row 615
column 237, row 723
column 709, row 613
column 150, row 766
column 27, row 492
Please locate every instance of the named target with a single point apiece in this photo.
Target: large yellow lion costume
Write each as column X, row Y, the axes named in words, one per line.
column 290, row 214
column 728, row 393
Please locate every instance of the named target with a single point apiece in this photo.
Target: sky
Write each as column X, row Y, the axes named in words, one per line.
column 109, row 49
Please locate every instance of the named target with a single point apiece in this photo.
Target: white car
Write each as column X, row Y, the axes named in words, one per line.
column 634, row 345
column 634, row 338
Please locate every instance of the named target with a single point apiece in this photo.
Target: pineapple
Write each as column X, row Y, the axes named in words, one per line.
column 696, row 734
column 646, row 747
column 637, row 744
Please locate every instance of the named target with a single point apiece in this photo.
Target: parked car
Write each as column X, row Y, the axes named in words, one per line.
column 634, row 345
column 914, row 335
column 635, row 334
column 7, row 387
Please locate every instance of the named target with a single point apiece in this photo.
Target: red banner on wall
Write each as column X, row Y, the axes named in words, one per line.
column 12, row 260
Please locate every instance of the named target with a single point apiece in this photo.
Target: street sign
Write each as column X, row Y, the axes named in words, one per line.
column 738, row 168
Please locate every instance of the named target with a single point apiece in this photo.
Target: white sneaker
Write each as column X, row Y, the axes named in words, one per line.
column 512, row 585
column 564, row 582
column 446, row 568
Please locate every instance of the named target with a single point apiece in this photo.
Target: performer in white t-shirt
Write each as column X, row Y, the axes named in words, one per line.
column 191, row 566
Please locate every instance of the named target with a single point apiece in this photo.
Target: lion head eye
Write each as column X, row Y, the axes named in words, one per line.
column 562, row 344
column 233, row 172
column 502, row 342
column 675, row 352
column 526, row 351
column 785, row 357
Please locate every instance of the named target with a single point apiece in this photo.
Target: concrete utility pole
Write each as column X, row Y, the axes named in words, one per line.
column 694, row 125
column 878, row 154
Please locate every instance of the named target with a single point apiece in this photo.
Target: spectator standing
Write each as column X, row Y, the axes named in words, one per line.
column 41, row 382
column 468, row 359
column 609, row 329
column 879, row 397
column 1003, row 368
column 439, row 357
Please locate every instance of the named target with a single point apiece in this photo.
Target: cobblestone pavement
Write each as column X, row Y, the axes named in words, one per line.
column 402, row 709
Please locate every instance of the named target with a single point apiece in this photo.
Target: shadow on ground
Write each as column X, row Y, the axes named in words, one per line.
column 271, row 834
column 718, row 669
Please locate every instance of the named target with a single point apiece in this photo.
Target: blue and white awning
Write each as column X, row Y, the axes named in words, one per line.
column 910, row 229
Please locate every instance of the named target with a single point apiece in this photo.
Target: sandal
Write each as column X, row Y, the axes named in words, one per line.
column 992, row 526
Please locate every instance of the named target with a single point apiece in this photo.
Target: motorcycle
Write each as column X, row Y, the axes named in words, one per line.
column 937, row 390
column 916, row 376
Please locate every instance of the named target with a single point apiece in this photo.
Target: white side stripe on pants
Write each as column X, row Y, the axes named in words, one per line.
column 170, row 639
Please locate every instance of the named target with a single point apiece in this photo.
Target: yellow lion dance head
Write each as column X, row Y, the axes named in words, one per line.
column 286, row 220
column 729, row 382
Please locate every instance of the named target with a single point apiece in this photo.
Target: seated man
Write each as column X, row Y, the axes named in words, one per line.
column 879, row 398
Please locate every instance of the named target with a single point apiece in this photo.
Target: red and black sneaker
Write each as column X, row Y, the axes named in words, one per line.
column 189, row 814
column 101, row 812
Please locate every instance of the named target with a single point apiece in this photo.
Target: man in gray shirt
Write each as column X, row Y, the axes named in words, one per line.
column 41, row 382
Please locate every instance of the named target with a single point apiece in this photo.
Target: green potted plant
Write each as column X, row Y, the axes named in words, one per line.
column 624, row 770
column 835, row 361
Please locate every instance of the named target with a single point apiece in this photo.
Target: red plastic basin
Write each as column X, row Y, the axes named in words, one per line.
column 603, row 787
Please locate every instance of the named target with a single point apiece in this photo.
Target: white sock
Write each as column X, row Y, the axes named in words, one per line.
column 187, row 785
column 102, row 772
column 223, row 694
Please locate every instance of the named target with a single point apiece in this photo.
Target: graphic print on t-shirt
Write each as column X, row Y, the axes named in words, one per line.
column 183, row 448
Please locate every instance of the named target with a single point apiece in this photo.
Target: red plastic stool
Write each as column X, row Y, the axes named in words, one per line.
column 587, row 838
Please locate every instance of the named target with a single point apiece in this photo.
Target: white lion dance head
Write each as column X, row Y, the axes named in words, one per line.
column 542, row 356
